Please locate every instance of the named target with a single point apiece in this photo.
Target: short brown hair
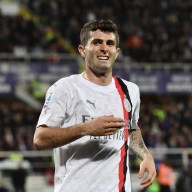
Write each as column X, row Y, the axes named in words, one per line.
column 103, row 25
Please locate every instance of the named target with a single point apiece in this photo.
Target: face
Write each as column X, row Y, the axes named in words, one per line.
column 100, row 52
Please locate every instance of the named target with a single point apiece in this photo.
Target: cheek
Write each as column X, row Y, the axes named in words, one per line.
column 89, row 57
column 90, row 54
column 116, row 54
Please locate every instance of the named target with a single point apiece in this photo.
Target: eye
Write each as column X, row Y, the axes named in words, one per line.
column 97, row 42
column 110, row 43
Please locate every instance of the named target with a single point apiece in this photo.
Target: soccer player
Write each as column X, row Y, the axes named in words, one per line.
column 90, row 121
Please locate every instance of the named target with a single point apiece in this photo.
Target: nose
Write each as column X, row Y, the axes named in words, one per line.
column 103, row 48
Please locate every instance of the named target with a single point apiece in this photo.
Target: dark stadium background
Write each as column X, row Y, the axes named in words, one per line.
column 38, row 45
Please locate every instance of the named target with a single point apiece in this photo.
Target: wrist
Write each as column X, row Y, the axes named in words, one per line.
column 148, row 156
column 82, row 129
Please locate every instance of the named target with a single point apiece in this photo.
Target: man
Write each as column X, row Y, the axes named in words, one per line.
column 165, row 176
column 90, row 120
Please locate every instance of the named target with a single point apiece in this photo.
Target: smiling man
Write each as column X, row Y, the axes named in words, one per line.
column 99, row 51
column 90, row 121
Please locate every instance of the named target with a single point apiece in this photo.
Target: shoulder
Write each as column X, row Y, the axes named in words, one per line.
column 130, row 85
column 66, row 80
column 64, row 83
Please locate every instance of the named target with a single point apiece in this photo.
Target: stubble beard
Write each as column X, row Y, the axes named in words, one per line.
column 100, row 70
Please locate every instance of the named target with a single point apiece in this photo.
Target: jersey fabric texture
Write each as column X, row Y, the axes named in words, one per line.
column 91, row 163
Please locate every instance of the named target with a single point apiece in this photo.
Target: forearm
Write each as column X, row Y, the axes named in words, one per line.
column 48, row 138
column 137, row 144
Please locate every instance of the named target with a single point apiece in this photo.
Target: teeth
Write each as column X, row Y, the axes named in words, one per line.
column 103, row 58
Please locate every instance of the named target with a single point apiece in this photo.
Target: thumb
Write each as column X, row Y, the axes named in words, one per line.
column 141, row 173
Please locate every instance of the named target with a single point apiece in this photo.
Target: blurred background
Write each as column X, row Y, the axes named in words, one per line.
column 38, row 45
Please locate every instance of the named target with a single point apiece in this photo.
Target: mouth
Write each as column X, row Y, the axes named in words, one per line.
column 103, row 58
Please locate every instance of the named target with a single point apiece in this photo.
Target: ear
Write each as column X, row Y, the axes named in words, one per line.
column 117, row 53
column 81, row 50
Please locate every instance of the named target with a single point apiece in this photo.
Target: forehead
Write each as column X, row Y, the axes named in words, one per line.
column 98, row 34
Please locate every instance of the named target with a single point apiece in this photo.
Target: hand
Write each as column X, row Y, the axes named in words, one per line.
column 147, row 166
column 105, row 125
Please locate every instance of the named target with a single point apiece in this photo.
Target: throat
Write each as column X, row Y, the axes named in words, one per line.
column 98, row 79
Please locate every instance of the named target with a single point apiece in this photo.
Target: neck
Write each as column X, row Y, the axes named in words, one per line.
column 99, row 79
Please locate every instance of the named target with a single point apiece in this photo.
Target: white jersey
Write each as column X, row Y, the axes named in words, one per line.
column 91, row 163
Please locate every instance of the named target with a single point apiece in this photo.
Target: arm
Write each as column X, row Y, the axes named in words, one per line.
column 46, row 137
column 137, row 145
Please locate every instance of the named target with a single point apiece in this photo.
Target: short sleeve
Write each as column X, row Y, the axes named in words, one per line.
column 54, row 108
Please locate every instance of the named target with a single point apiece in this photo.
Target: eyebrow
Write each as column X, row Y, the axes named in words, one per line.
column 108, row 41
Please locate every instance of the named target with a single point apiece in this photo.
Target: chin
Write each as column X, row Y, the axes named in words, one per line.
column 102, row 70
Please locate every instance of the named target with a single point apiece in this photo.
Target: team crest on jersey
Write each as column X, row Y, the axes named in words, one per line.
column 45, row 107
column 127, row 104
